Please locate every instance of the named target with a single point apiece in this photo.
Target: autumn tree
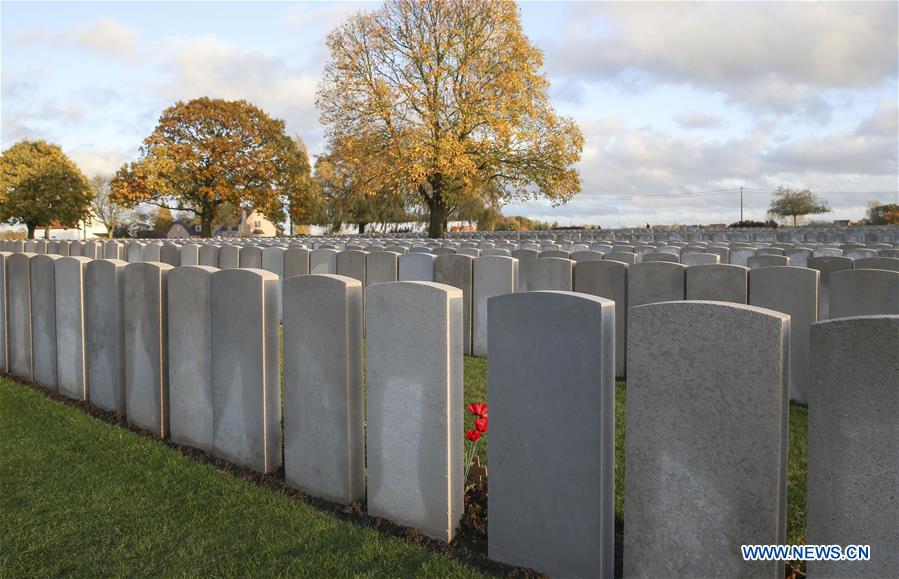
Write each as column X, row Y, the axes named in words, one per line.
column 883, row 214
column 104, row 207
column 444, row 100
column 39, row 185
column 305, row 203
column 207, row 152
column 786, row 202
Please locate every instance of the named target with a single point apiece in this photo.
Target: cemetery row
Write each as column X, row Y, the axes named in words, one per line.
column 828, row 286
column 192, row 353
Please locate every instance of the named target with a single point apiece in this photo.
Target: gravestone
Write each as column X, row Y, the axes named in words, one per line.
column 190, row 254
column 559, row 388
column 414, row 405
column 525, row 258
column 660, row 256
column 757, row 261
column 4, row 341
column 792, row 291
column 208, row 255
column 104, row 295
column 713, row 464
column 608, row 279
column 458, row 271
column 250, row 256
column 190, row 355
column 380, row 267
column 324, row 446
column 585, row 255
column 551, row 273
column 151, row 253
column 229, row 257
column 296, row 261
column 416, row 267
column 146, row 351
column 719, row 282
column 323, row 261
column 799, row 257
column 246, row 368
column 657, row 281
column 624, row 257
column 171, row 254
column 693, row 259
column 134, row 252
column 273, row 260
column 70, row 352
column 43, row 320
column 888, row 263
column 741, row 255
column 853, row 474
column 827, row 265
column 863, row 292
column 493, row 275
column 351, row 263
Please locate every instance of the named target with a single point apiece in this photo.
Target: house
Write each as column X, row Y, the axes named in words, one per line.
column 250, row 224
column 183, row 229
column 87, row 230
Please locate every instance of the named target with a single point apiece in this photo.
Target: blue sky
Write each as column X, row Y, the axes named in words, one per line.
column 672, row 97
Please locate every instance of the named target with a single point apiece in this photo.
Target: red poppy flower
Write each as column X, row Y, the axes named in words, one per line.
column 481, row 424
column 472, row 435
column 479, row 409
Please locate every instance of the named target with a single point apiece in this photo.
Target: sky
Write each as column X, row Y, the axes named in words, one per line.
column 680, row 103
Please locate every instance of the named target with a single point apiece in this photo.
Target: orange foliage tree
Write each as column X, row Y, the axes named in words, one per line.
column 444, row 100
column 208, row 152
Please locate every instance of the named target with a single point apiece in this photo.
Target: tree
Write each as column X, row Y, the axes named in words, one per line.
column 786, row 202
column 207, row 152
column 444, row 100
column 103, row 205
column 39, row 185
column 305, row 204
column 883, row 214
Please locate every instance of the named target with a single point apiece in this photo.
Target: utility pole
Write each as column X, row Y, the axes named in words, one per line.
column 741, row 203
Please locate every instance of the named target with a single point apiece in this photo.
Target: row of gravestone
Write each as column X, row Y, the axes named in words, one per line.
column 801, row 292
column 192, row 353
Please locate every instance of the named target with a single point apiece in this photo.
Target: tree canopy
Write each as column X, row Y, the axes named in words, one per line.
column 40, row 185
column 883, row 213
column 786, row 202
column 207, row 152
column 445, row 100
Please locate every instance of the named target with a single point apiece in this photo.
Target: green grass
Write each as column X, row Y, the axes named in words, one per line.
column 82, row 497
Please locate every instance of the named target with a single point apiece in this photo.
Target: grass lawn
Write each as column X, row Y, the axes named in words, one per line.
column 80, row 496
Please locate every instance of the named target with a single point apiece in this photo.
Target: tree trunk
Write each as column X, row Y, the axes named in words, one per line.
column 47, row 232
column 206, row 224
column 437, row 217
column 794, row 221
column 31, row 227
column 360, row 226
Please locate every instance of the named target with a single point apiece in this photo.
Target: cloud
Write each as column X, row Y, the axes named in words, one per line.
column 771, row 56
column 882, row 121
column 693, row 119
column 106, row 37
column 100, row 160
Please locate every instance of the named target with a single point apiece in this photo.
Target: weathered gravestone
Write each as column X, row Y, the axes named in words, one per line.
column 70, row 351
column 323, row 261
column 559, row 388
column 792, row 291
column 525, row 258
column 190, row 355
column 208, row 255
column 827, row 265
column 296, row 261
column 250, row 256
column 493, row 275
column 718, row 282
column 551, row 273
column 414, row 405
column 324, row 446
column 246, row 368
column 229, row 257
column 104, row 319
column 706, row 439
column 146, row 351
column 380, row 267
column 43, row 320
column 863, row 292
column 190, row 254
column 458, row 271
column 853, row 473
column 608, row 279
column 351, row 263
column 416, row 267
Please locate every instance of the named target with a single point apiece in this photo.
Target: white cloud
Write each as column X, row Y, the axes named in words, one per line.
column 100, row 161
column 693, row 119
column 106, row 37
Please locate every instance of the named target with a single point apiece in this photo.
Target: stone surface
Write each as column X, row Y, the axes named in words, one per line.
column 622, row 256
column 414, row 405
column 246, row 368
column 380, row 267
column 706, row 441
column 104, row 295
column 273, row 260
column 43, row 320
column 151, row 253
column 208, row 255
column 4, row 350
column 717, row 282
column 324, row 446
column 18, row 312
column 171, row 254
column 416, row 267
column 190, row 355
column 458, row 271
column 608, row 279
column 888, row 263
column 660, row 256
column 827, row 265
column 229, row 257
column 351, row 263
column 71, row 373
column 560, row 388
column 657, row 281
column 525, row 257
column 250, row 256
column 296, row 261
column 691, row 259
column 863, row 292
column 585, row 255
column 551, row 273
column 493, row 275
column 741, row 255
column 323, row 261
column 792, row 291
column 146, row 353
column 190, row 254
column 853, row 474
column 766, row 260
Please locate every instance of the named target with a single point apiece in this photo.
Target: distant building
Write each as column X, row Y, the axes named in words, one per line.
column 250, row 224
column 842, row 222
column 87, row 230
column 183, row 230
